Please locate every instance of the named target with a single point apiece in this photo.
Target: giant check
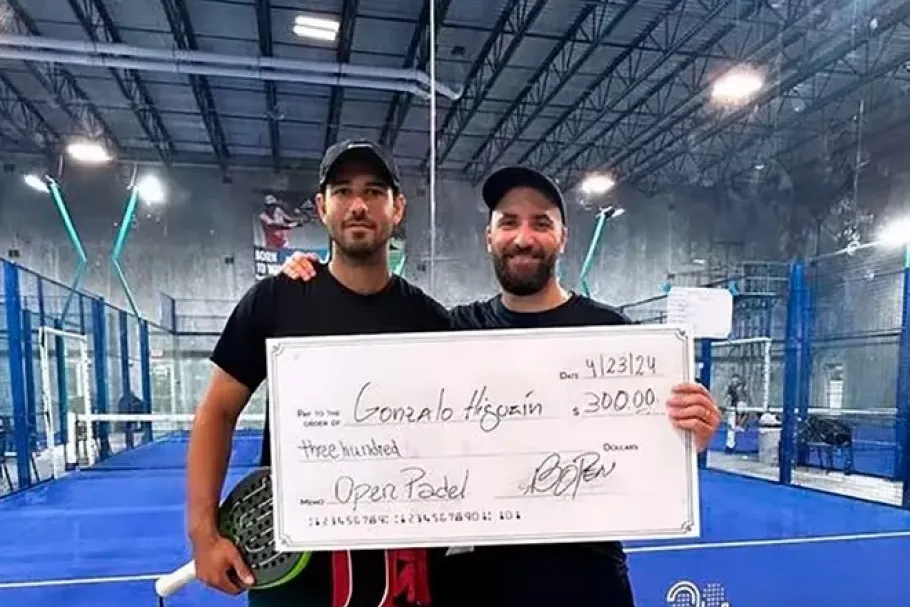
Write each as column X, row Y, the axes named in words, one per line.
column 473, row 438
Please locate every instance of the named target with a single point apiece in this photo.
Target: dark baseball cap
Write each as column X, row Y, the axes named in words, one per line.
column 498, row 184
column 363, row 149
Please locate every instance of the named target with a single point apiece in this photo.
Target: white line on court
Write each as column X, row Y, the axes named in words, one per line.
column 640, row 549
column 115, row 579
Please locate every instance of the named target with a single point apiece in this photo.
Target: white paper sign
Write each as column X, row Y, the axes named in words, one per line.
column 708, row 311
column 482, row 437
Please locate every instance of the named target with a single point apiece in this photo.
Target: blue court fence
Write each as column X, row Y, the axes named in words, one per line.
column 824, row 346
column 818, row 341
column 134, row 366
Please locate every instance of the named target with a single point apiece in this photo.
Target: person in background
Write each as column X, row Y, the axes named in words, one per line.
column 525, row 236
column 360, row 202
column 735, row 402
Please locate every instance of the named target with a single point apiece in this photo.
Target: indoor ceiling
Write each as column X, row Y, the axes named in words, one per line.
column 568, row 86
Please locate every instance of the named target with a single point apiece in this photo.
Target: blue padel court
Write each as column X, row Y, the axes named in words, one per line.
column 737, row 168
column 99, row 538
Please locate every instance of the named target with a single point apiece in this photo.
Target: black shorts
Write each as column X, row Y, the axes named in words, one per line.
column 312, row 588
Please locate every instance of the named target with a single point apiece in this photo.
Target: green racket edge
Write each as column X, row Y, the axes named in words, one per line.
column 302, row 561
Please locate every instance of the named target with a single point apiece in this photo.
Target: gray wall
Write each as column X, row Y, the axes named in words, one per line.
column 184, row 246
column 197, row 247
column 639, row 248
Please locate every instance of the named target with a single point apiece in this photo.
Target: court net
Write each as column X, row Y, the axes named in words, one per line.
column 118, row 441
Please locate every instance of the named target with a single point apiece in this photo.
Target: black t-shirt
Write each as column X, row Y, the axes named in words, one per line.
column 279, row 306
column 543, row 574
column 577, row 311
column 282, row 307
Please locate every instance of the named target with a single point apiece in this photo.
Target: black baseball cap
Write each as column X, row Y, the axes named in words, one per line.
column 498, row 184
column 359, row 148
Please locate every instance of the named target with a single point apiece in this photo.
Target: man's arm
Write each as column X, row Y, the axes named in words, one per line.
column 209, row 451
column 240, row 367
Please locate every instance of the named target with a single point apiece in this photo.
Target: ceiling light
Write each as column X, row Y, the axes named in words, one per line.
column 736, row 86
column 316, row 27
column 36, row 183
column 151, row 189
column 315, row 32
column 597, row 184
column 897, row 234
column 317, row 22
column 88, row 152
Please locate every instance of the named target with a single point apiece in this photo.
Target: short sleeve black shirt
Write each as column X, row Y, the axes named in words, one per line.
column 577, row 311
column 545, row 574
column 279, row 306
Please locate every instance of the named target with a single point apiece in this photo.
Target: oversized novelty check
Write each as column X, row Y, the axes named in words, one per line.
column 474, row 438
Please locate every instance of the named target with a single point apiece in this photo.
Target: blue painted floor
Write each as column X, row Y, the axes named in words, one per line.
column 762, row 545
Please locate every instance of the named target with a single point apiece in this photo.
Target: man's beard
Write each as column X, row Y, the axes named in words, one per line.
column 526, row 283
column 360, row 250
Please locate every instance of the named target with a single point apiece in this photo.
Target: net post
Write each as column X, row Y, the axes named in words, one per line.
column 704, row 378
column 98, row 350
column 145, row 369
column 903, row 388
column 13, row 307
column 793, row 359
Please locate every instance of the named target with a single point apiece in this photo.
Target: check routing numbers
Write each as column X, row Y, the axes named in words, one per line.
column 474, row 447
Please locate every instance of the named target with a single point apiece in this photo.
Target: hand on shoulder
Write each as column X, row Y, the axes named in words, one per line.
column 300, row 266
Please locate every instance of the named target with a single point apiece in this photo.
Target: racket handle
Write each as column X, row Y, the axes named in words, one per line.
column 168, row 584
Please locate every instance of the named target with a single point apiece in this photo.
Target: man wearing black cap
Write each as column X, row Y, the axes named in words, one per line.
column 360, row 202
column 525, row 236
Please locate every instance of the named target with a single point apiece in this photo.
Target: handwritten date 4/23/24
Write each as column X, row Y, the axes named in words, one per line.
column 620, row 365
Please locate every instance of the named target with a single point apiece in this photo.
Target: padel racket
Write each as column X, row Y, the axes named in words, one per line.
column 246, row 519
